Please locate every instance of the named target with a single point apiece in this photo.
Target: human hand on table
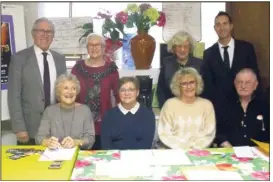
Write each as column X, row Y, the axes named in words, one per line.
column 22, row 136
column 226, row 144
column 53, row 143
column 68, row 142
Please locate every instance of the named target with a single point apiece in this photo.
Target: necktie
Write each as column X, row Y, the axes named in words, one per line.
column 226, row 57
column 46, row 81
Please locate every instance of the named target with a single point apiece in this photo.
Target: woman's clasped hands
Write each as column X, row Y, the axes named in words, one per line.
column 67, row 142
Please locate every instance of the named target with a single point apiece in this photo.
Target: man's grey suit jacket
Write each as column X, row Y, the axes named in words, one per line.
column 25, row 90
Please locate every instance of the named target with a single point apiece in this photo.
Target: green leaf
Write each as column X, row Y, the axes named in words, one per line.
column 130, row 22
column 114, row 35
column 87, row 26
column 85, row 34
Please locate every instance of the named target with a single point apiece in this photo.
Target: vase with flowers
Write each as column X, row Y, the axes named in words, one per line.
column 143, row 45
column 111, row 30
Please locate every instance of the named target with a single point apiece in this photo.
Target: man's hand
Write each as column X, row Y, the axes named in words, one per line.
column 22, row 136
column 226, row 144
column 68, row 142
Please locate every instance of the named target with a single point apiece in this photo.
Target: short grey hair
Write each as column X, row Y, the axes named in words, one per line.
column 176, row 80
column 247, row 70
column 63, row 78
column 42, row 19
column 178, row 39
column 94, row 36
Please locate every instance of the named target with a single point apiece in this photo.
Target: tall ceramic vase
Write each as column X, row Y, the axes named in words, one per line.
column 142, row 49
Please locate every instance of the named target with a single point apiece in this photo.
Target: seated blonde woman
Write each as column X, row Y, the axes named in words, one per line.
column 66, row 124
column 187, row 120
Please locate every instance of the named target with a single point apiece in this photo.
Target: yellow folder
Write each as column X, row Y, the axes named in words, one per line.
column 262, row 145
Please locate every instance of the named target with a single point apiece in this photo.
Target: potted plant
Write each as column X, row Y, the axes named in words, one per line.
column 143, row 45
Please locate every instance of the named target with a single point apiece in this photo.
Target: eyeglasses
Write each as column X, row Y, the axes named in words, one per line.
column 43, row 32
column 241, row 83
column 186, row 84
column 130, row 90
column 94, row 45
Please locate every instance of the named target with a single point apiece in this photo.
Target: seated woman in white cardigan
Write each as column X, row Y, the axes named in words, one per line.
column 187, row 120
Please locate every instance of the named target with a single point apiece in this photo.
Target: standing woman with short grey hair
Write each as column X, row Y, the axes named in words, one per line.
column 98, row 80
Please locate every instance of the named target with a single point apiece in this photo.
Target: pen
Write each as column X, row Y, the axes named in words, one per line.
column 223, row 156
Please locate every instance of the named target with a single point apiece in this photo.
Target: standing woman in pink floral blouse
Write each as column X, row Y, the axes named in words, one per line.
column 98, row 78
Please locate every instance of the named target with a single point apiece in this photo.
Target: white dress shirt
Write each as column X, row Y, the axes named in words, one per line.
column 125, row 111
column 230, row 50
column 52, row 69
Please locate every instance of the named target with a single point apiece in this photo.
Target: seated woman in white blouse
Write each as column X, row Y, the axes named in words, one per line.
column 186, row 121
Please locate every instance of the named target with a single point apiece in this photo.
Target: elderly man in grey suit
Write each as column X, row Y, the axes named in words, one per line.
column 32, row 73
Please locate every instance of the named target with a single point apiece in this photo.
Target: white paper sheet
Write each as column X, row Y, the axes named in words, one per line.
column 260, row 154
column 211, row 175
column 155, row 157
column 244, row 151
column 137, row 156
column 121, row 169
column 170, row 157
column 58, row 154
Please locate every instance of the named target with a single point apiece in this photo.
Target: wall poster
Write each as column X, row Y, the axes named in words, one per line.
column 7, row 47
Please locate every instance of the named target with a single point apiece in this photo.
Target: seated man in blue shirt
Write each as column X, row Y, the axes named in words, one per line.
column 130, row 125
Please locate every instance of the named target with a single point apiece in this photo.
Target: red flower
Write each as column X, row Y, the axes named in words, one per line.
column 116, row 155
column 82, row 163
column 199, row 153
column 241, row 159
column 111, row 47
column 261, row 175
column 144, row 6
column 174, row 177
column 161, row 20
column 122, row 17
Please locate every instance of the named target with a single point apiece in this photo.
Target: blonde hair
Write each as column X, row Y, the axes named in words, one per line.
column 178, row 39
column 63, row 78
column 176, row 80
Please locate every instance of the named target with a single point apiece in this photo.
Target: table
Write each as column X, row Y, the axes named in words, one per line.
column 249, row 169
column 29, row 168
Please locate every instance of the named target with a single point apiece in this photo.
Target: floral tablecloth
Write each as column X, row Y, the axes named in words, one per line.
column 249, row 169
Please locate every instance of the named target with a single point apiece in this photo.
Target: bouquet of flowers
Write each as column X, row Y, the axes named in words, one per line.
column 144, row 17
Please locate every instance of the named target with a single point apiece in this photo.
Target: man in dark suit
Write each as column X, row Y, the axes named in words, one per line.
column 222, row 61
column 32, row 73
column 181, row 45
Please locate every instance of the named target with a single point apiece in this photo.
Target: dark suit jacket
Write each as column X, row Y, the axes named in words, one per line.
column 168, row 68
column 218, row 80
column 26, row 91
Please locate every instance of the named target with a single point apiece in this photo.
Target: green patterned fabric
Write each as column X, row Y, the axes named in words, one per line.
column 249, row 169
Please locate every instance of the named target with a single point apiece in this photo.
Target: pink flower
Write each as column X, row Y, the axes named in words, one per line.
column 82, row 163
column 174, row 177
column 122, row 17
column 261, row 175
column 144, row 7
column 199, row 153
column 116, row 155
column 83, row 179
column 241, row 159
column 161, row 20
